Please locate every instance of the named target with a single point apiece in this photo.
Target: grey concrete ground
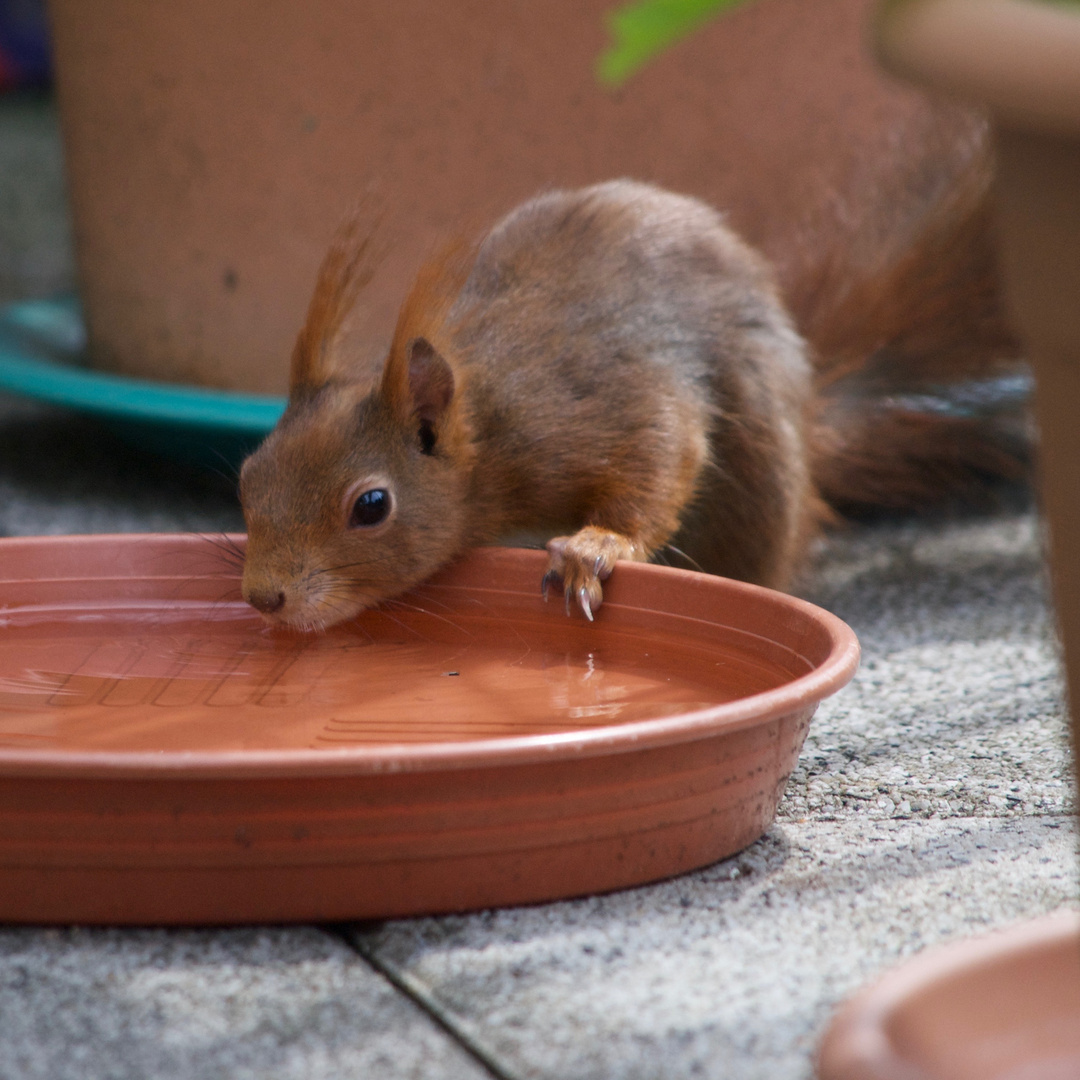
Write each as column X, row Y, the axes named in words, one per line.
column 932, row 801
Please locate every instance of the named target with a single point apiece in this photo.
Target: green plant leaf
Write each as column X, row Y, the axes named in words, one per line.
column 645, row 28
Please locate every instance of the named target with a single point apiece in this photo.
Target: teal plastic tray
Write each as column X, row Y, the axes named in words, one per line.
column 43, row 356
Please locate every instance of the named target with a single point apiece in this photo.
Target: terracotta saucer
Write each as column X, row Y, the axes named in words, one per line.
column 166, row 758
column 1005, row 1006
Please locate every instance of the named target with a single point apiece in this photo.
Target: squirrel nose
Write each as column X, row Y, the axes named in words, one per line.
column 266, row 602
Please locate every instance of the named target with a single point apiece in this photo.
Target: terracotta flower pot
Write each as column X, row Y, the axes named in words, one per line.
column 1021, row 59
column 1007, row 1005
column 213, row 145
column 954, row 1013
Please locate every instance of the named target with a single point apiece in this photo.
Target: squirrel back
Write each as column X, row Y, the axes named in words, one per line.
column 613, row 365
column 632, row 359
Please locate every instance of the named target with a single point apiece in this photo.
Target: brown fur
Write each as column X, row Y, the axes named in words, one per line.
column 614, row 366
column 349, row 264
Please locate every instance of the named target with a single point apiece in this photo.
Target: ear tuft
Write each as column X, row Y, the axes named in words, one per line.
column 350, row 263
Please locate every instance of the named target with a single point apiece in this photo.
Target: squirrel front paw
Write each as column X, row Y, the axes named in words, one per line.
column 582, row 561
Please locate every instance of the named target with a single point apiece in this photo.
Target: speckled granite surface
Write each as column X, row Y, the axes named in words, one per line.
column 250, row 1004
column 932, row 800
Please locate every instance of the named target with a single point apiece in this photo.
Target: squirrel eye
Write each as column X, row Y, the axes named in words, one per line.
column 370, row 508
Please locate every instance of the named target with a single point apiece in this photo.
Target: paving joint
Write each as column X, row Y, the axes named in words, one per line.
column 421, row 996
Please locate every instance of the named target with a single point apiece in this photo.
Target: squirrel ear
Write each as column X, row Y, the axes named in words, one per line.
column 431, row 380
column 422, row 385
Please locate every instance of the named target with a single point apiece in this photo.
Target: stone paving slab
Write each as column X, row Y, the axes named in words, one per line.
column 957, row 708
column 731, row 972
column 933, row 799
column 251, row 1004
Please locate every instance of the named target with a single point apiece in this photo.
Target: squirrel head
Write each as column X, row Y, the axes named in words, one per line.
column 356, row 496
column 360, row 492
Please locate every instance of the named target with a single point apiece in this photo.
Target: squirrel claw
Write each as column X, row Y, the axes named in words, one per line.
column 583, row 600
column 545, row 582
column 581, row 562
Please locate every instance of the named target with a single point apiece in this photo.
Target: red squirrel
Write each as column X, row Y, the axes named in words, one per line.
column 613, row 369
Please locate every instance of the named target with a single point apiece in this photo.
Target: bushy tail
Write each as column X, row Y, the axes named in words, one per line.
column 920, row 390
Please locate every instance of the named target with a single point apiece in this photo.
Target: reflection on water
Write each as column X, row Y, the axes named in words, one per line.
column 213, row 677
